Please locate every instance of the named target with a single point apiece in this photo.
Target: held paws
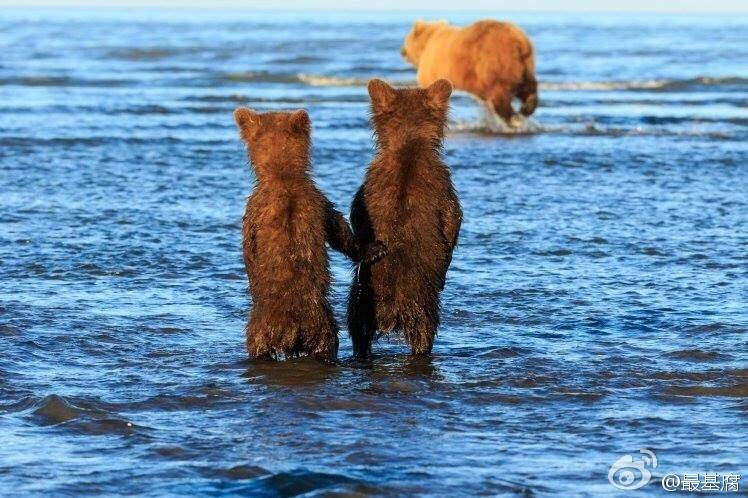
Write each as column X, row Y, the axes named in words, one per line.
column 374, row 251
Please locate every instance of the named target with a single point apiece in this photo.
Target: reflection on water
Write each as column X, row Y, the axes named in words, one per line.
column 596, row 303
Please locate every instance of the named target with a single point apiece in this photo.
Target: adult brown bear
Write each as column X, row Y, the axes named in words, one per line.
column 492, row 60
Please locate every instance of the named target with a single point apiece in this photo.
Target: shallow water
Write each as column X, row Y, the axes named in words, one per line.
column 597, row 303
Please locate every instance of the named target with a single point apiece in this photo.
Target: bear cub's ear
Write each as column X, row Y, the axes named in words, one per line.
column 300, row 121
column 439, row 92
column 245, row 118
column 382, row 95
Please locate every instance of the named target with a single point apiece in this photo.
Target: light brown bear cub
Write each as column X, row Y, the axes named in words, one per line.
column 408, row 202
column 492, row 60
column 286, row 224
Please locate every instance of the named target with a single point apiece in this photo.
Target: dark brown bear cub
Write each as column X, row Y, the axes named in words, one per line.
column 286, row 224
column 408, row 202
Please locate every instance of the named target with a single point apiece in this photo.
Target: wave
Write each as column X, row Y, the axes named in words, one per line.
column 655, row 84
column 703, row 99
column 136, row 54
column 651, row 85
column 61, row 81
column 701, row 83
column 601, row 85
column 20, row 141
column 259, row 77
column 494, row 125
column 258, row 99
column 297, row 59
column 303, row 78
column 489, row 127
column 321, row 80
column 739, row 390
column 75, row 415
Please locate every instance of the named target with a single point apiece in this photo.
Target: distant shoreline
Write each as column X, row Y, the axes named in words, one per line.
column 424, row 12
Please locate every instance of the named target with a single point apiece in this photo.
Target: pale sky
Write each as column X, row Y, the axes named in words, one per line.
column 675, row 6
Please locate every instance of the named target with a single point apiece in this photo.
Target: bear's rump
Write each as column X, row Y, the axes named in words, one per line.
column 402, row 284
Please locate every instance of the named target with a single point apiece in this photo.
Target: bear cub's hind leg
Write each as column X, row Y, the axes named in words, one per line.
column 361, row 320
column 259, row 342
column 322, row 343
column 419, row 332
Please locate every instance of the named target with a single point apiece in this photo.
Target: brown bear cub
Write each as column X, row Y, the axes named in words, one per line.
column 286, row 224
column 408, row 202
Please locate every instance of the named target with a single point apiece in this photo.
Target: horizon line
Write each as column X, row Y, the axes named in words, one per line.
column 393, row 9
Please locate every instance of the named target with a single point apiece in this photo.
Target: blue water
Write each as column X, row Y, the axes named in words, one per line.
column 597, row 303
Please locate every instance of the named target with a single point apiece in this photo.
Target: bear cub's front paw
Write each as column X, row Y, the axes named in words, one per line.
column 374, row 251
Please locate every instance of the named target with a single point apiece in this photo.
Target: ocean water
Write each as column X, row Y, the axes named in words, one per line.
column 597, row 303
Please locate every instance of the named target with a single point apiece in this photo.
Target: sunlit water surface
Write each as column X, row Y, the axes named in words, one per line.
column 597, row 303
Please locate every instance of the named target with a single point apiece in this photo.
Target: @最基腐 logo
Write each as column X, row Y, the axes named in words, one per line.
column 628, row 473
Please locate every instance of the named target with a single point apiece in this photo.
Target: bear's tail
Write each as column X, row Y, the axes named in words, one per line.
column 528, row 89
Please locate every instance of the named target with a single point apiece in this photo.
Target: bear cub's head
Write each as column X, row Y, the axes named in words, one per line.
column 407, row 115
column 278, row 142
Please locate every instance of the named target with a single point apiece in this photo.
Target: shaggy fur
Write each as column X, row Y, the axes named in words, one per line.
column 286, row 224
column 492, row 60
column 408, row 202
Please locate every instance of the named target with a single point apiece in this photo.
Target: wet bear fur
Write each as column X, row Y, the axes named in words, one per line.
column 286, row 223
column 408, row 202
